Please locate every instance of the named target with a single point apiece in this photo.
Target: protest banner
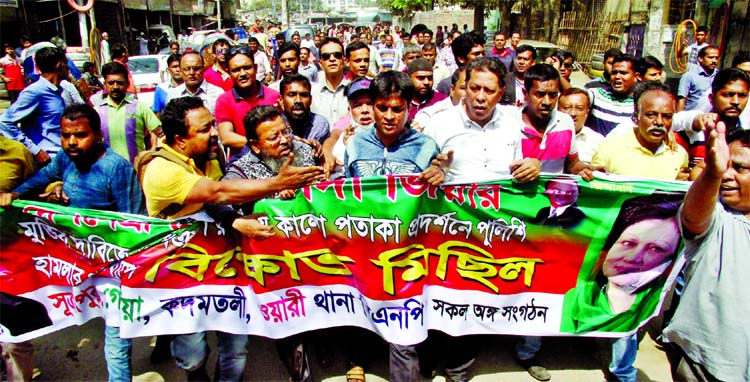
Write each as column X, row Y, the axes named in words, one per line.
column 388, row 254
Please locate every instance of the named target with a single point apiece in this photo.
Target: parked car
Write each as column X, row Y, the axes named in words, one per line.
column 303, row 29
column 148, row 72
column 544, row 49
column 159, row 29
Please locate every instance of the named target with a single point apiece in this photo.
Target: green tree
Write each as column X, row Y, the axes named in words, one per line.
column 406, row 7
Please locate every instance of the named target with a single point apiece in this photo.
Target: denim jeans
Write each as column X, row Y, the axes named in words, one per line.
column 624, row 351
column 527, row 346
column 117, row 353
column 191, row 350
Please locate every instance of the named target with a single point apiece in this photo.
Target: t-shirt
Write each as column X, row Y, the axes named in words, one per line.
column 555, row 146
column 710, row 323
column 622, row 154
column 231, row 107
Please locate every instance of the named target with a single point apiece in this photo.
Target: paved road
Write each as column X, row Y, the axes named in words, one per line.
column 75, row 354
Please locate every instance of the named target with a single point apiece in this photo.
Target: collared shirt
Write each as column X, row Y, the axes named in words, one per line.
column 310, row 71
column 160, row 96
column 693, row 51
column 479, row 153
column 424, row 115
column 39, row 109
column 316, row 128
column 16, row 164
column 214, row 75
column 622, row 154
column 262, row 65
column 208, row 93
column 505, row 55
column 111, row 183
column 330, row 103
column 165, row 182
column 439, row 73
column 588, row 141
column 232, row 107
column 608, row 111
column 556, row 145
column 695, row 86
column 124, row 126
column 416, row 105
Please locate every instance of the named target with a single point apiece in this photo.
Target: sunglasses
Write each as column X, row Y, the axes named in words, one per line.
column 235, row 50
column 338, row 55
column 568, row 65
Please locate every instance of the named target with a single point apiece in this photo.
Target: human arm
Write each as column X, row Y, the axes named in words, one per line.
column 126, row 190
column 700, row 200
column 580, row 168
column 229, row 137
column 526, row 170
column 37, row 183
column 25, row 106
column 330, row 160
column 681, row 101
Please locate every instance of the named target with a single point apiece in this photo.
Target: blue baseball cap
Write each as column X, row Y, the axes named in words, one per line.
column 358, row 85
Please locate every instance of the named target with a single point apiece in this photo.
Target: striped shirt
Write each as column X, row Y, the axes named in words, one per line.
column 557, row 144
column 608, row 111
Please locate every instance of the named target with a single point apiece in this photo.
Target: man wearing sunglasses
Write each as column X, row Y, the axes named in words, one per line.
column 328, row 95
column 218, row 73
column 247, row 93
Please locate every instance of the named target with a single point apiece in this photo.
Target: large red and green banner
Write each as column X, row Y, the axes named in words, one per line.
column 388, row 254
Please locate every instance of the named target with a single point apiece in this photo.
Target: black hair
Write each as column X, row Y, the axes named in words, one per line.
column 625, row 58
column 456, row 74
column 640, row 208
column 46, row 59
column 88, row 65
column 418, row 65
column 355, row 46
column 526, row 48
column 645, row 63
column 429, row 46
column 573, row 90
column 612, row 52
column 488, row 64
column 174, row 117
column 334, row 40
column 741, row 57
column 725, row 76
column 704, row 51
column 81, row 110
column 174, row 57
column 419, row 28
column 281, row 35
column 115, row 68
column 540, row 72
column 390, row 83
column 702, row 28
column 255, row 117
column 462, row 45
column 295, row 77
column 289, row 46
column 118, row 50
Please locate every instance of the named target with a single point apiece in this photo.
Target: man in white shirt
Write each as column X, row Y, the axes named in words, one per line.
column 575, row 103
column 191, row 67
column 329, row 98
column 263, row 72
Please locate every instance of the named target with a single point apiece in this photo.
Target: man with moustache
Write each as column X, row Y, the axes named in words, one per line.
column 439, row 71
column 358, row 58
column 263, row 72
column 458, row 91
column 126, row 122
column 420, row 73
column 306, row 68
column 729, row 98
column 95, row 177
column 182, row 178
column 295, row 103
column 218, row 73
column 289, row 62
column 247, row 93
column 525, row 58
column 191, row 67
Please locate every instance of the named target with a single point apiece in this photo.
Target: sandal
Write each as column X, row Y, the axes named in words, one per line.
column 355, row 374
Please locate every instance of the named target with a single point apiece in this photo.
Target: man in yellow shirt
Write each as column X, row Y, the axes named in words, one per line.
column 648, row 150
column 182, row 177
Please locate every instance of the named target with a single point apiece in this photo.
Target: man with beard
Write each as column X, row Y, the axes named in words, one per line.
column 420, row 73
column 289, row 61
column 272, row 147
column 182, row 178
column 729, row 98
column 695, row 85
column 191, row 67
column 247, row 93
column 613, row 105
column 175, row 79
column 218, row 73
column 458, row 91
column 93, row 177
column 39, row 108
column 295, row 103
column 125, row 120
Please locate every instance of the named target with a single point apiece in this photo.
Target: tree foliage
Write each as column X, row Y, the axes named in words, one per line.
column 406, row 7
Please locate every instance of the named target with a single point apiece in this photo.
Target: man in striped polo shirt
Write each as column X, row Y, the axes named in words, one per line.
column 613, row 104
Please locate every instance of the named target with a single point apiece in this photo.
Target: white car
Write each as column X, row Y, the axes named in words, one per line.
column 148, row 72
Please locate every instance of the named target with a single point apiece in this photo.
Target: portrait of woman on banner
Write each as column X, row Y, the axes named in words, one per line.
column 627, row 280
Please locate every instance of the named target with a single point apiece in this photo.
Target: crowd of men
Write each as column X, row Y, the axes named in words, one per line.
column 238, row 123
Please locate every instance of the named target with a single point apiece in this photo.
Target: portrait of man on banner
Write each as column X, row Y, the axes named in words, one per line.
column 626, row 282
